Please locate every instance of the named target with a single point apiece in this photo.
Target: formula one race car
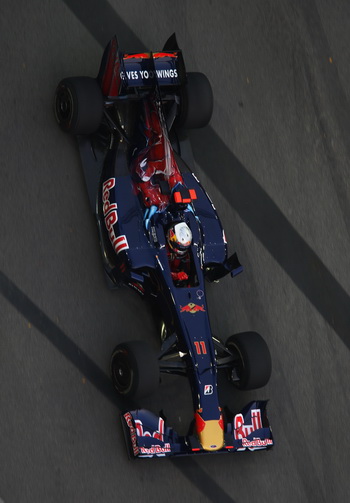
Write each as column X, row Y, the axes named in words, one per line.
column 161, row 236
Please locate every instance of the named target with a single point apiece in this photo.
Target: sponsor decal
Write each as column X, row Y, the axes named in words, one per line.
column 256, row 443
column 159, row 434
column 106, row 205
column 208, row 389
column 241, row 431
column 199, row 294
column 128, row 419
column 153, row 450
column 192, row 308
column 156, row 449
column 120, row 243
column 149, row 74
column 200, row 347
column 109, row 209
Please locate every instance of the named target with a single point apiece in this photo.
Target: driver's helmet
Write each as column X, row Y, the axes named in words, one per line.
column 179, row 238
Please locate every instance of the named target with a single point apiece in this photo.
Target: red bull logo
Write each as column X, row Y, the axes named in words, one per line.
column 192, row 308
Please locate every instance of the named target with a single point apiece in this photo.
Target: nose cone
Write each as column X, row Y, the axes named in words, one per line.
column 210, row 433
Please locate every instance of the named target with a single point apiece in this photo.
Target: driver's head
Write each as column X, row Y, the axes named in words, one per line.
column 179, row 238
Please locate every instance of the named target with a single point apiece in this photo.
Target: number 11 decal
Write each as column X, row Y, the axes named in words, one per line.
column 200, row 347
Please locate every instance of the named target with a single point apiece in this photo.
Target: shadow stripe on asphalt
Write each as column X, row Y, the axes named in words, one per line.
column 58, row 339
column 261, row 214
column 71, row 351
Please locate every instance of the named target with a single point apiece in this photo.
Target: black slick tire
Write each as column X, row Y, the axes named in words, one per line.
column 79, row 105
column 252, row 360
column 134, row 369
column 196, row 102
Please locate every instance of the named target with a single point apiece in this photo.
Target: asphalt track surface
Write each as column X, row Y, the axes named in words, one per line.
column 275, row 160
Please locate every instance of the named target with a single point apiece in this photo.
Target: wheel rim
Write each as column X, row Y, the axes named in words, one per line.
column 64, row 102
column 122, row 374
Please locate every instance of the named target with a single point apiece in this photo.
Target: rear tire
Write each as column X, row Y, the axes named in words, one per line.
column 252, row 360
column 134, row 369
column 196, row 106
column 79, row 105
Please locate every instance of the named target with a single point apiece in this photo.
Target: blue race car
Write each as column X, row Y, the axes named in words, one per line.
column 161, row 236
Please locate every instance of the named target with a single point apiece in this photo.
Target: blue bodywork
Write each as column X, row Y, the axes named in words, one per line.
column 133, row 243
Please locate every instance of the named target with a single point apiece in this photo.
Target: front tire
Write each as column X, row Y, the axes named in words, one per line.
column 134, row 369
column 79, row 105
column 252, row 363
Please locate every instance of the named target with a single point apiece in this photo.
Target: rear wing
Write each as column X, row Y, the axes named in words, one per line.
column 121, row 72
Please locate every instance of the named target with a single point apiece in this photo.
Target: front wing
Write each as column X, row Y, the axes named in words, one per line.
column 148, row 436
